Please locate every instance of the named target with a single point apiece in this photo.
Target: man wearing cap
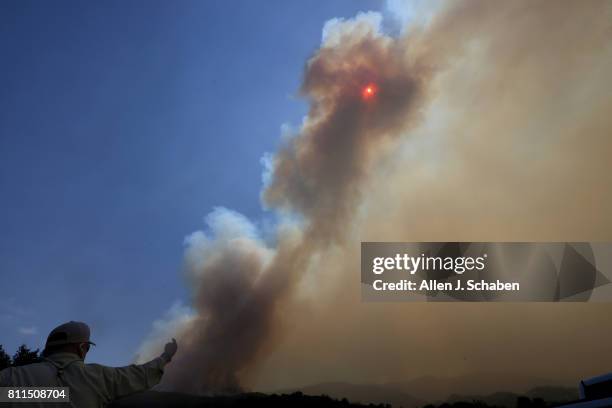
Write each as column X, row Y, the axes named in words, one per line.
column 91, row 385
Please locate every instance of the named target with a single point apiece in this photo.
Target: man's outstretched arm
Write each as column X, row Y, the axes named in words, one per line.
column 123, row 381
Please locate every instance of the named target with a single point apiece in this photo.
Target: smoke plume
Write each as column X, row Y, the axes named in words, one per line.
column 489, row 122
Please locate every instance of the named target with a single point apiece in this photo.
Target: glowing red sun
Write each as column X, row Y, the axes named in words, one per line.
column 369, row 91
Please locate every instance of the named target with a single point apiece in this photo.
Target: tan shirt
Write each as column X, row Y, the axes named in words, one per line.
column 91, row 385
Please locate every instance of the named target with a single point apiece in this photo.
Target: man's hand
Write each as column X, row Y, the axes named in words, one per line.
column 170, row 350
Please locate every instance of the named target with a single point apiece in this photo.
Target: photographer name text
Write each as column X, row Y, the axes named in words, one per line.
column 433, row 284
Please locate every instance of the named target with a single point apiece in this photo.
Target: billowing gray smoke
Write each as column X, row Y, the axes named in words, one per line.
column 479, row 93
column 237, row 281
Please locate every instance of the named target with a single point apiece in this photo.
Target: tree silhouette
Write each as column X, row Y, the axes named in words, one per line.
column 5, row 359
column 25, row 356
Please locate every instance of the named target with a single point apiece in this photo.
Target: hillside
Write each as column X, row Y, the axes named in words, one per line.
column 432, row 390
column 364, row 393
column 156, row 399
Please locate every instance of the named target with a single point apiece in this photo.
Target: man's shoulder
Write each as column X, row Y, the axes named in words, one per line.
column 5, row 372
column 21, row 375
column 27, row 367
column 95, row 367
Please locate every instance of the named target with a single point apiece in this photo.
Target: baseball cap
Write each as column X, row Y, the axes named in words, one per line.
column 68, row 333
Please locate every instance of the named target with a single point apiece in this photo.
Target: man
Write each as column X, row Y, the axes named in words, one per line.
column 91, row 385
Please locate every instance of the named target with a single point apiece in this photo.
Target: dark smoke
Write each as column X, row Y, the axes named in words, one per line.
column 319, row 173
column 238, row 282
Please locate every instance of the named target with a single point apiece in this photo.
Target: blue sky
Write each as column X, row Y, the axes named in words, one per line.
column 122, row 124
